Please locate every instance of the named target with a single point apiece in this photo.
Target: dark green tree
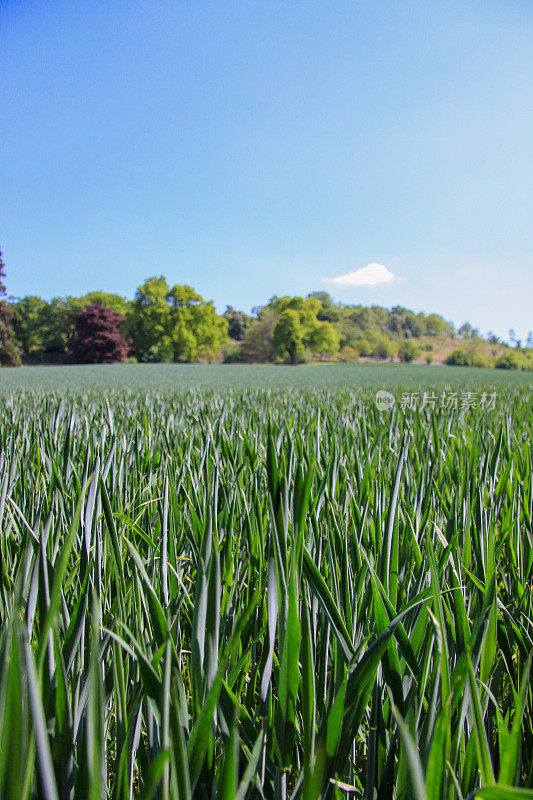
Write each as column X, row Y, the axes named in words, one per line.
column 328, row 311
column 58, row 327
column 9, row 356
column 238, row 322
column 29, row 327
column 258, row 346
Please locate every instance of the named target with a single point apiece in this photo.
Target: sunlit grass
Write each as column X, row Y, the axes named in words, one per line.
column 217, row 592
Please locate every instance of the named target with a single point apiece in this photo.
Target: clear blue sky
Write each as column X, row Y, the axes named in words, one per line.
column 255, row 148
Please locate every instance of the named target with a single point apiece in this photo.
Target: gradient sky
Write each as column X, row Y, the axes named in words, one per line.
column 256, row 148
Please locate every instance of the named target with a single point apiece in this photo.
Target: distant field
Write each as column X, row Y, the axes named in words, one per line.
column 171, row 377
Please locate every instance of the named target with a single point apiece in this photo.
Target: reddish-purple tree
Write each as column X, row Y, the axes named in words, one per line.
column 97, row 338
column 2, row 275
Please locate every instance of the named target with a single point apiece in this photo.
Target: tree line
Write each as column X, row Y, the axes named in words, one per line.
column 175, row 324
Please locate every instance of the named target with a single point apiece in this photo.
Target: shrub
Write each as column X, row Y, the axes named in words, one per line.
column 509, row 360
column 231, row 352
column 9, row 356
column 363, row 347
column 478, row 360
column 408, row 351
column 457, row 358
column 383, row 348
column 349, row 354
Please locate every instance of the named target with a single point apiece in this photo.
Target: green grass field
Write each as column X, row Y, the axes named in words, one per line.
column 247, row 582
column 169, row 377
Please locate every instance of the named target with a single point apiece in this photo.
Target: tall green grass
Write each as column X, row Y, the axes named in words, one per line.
column 265, row 595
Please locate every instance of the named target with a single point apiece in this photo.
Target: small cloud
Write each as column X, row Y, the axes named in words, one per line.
column 371, row 275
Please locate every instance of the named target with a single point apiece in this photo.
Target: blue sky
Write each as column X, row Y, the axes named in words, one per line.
column 257, row 148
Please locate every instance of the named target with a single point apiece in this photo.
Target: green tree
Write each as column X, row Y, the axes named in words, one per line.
column 9, row 356
column 258, row 340
column 324, row 339
column 298, row 331
column 149, row 321
column 437, row 326
column 301, row 330
column 465, row 331
column 328, row 311
column 197, row 332
column 58, row 319
column 403, row 322
column 30, row 313
column 113, row 301
column 288, row 336
column 174, row 324
column 307, row 308
column 43, row 330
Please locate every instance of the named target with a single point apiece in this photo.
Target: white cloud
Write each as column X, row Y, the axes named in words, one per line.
column 371, row 275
